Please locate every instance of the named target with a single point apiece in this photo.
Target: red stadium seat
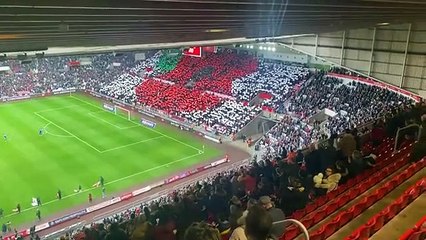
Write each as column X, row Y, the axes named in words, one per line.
column 331, row 207
column 318, row 235
column 310, row 207
column 371, row 199
column 319, row 215
column 419, row 235
column 331, row 227
column 298, row 214
column 345, row 217
column 364, row 232
column 341, row 201
column 291, row 233
column 308, row 221
column 379, row 221
column 359, row 207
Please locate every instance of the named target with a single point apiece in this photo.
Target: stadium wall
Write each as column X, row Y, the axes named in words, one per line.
column 395, row 54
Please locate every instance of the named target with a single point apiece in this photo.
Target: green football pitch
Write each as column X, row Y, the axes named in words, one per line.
column 82, row 142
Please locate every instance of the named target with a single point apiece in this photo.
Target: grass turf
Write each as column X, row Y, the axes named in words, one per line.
column 82, row 141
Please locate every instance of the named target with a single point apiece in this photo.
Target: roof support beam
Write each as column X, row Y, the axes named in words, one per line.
column 372, row 51
column 343, row 48
column 405, row 55
column 316, row 44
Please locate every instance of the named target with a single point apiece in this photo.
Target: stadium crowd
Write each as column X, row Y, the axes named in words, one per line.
column 276, row 78
column 226, row 119
column 271, row 189
column 354, row 104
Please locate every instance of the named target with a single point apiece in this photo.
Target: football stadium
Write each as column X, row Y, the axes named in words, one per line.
column 213, row 120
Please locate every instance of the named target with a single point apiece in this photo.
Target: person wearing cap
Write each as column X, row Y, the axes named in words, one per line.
column 276, row 215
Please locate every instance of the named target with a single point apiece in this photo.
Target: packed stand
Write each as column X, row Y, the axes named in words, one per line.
column 277, row 78
column 173, row 98
column 123, row 86
column 168, row 61
column 213, row 72
column 44, row 75
column 225, row 119
column 354, row 104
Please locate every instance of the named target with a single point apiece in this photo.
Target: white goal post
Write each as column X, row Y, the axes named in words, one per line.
column 129, row 115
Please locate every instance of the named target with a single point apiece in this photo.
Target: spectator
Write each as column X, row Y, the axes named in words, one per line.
column 258, row 224
column 116, row 233
column 347, row 144
column 276, row 215
column 329, row 183
column 201, row 231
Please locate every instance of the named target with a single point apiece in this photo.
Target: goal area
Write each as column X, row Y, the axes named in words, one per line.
column 123, row 112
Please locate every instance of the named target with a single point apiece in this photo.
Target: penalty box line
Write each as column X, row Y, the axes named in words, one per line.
column 153, row 130
column 93, row 114
column 71, row 134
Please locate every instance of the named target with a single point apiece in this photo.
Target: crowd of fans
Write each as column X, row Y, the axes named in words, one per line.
column 276, row 78
column 213, row 72
column 123, row 87
column 174, row 98
column 225, row 119
column 43, row 75
column 354, row 104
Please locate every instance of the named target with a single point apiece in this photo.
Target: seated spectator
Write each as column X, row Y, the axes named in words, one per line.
column 293, row 197
column 276, row 214
column 201, row 231
column 259, row 224
column 328, row 182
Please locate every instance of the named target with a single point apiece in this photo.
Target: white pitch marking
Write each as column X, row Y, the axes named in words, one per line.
column 153, row 130
column 131, row 144
column 63, row 129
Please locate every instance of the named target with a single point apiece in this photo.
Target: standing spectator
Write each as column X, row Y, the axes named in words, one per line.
column 276, row 215
column 258, row 224
column 347, row 144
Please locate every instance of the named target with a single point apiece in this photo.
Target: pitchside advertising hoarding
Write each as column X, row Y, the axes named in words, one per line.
column 148, row 123
column 109, row 107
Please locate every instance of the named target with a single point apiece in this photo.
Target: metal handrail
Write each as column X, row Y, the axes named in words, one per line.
column 403, row 128
column 298, row 223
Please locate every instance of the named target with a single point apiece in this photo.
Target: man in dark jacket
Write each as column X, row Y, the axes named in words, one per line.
column 276, row 215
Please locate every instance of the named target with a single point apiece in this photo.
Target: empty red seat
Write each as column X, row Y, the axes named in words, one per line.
column 359, row 207
column 331, row 227
column 371, row 199
column 310, row 207
column 331, row 207
column 291, row 233
column 364, row 232
column 318, row 235
column 343, row 200
column 419, row 235
column 308, row 221
column 394, row 209
column 379, row 221
column 298, row 214
column 321, row 200
column 345, row 217
column 381, row 192
column 353, row 193
column 319, row 215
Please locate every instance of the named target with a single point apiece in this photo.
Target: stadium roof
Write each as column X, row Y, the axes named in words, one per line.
column 29, row 24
